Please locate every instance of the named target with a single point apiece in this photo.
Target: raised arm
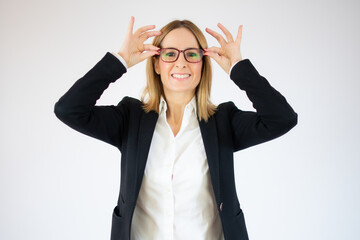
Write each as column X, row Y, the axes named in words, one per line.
column 273, row 116
column 76, row 107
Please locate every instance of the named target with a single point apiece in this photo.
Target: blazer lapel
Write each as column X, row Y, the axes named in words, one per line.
column 146, row 130
column 210, row 139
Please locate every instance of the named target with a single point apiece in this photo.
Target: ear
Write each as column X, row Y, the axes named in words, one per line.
column 156, row 66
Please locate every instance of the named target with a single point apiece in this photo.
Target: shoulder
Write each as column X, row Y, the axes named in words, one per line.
column 130, row 103
column 225, row 107
column 130, row 100
column 225, row 110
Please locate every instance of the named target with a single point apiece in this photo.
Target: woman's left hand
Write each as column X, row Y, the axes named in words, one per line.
column 229, row 51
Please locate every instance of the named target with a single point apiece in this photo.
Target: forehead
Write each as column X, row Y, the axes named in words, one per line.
column 180, row 38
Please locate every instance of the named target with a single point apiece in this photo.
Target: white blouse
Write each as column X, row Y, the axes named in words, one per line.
column 176, row 200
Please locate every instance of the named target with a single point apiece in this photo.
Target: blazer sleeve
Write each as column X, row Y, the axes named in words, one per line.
column 76, row 108
column 273, row 117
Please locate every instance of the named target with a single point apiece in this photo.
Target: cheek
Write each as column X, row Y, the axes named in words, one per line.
column 164, row 67
column 196, row 69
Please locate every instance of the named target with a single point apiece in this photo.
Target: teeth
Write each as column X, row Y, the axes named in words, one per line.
column 180, row 75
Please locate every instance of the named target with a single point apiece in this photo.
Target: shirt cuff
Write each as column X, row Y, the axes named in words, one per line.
column 120, row 58
column 233, row 66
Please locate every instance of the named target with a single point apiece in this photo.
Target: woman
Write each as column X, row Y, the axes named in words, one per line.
column 177, row 173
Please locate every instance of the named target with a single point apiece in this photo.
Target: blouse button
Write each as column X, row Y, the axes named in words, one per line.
column 221, row 206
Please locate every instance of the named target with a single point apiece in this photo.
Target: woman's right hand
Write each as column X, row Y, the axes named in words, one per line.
column 133, row 49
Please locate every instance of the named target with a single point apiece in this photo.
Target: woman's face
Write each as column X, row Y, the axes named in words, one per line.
column 179, row 76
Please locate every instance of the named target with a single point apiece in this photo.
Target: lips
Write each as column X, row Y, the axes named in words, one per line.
column 180, row 75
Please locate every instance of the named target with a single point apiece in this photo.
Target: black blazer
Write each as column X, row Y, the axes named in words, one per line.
column 130, row 129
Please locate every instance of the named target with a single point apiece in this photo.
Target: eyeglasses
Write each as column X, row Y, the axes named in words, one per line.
column 192, row 55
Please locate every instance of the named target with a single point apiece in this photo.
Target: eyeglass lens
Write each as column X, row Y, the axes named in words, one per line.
column 191, row 55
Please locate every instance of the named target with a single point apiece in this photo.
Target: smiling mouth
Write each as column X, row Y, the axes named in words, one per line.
column 180, row 76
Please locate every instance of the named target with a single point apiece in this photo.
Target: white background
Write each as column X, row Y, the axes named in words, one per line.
column 58, row 184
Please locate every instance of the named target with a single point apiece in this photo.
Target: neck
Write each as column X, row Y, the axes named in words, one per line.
column 176, row 103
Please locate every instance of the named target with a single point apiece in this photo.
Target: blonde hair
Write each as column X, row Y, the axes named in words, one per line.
column 154, row 88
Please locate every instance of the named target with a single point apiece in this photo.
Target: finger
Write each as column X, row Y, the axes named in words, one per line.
column 148, row 54
column 213, row 49
column 144, row 29
column 216, row 57
column 216, row 35
column 226, row 32
column 131, row 25
column 150, row 47
column 217, row 50
column 239, row 34
column 144, row 36
column 213, row 55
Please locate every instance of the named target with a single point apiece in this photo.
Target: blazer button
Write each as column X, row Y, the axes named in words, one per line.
column 221, row 205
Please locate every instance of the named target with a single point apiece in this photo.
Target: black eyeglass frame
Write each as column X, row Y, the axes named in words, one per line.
column 181, row 51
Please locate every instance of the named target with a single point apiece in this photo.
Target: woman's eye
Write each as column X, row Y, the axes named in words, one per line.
column 170, row 54
column 192, row 55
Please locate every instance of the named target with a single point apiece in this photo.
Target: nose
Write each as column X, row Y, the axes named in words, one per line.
column 181, row 62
